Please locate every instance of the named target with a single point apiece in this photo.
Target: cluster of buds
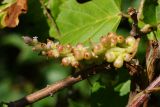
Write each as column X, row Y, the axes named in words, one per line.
column 112, row 48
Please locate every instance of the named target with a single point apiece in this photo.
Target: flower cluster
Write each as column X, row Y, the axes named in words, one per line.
column 112, row 48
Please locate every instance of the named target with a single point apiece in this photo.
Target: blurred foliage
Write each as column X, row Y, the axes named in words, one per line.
column 23, row 71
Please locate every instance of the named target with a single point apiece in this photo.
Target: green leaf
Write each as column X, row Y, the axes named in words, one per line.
column 123, row 88
column 76, row 104
column 152, row 16
column 158, row 19
column 149, row 12
column 105, row 96
column 96, row 86
column 158, row 13
column 3, row 6
column 54, row 6
column 126, row 4
column 118, row 2
column 8, row 1
column 2, row 16
column 79, row 23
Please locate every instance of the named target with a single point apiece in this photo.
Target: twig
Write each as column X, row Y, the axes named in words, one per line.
column 52, row 89
column 142, row 97
column 135, row 30
column 49, row 16
column 139, row 80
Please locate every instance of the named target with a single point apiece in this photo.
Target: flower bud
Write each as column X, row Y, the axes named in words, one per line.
column 43, row 53
column 129, row 49
column 94, row 55
column 110, row 56
column 53, row 53
column 79, row 46
column 38, row 47
column 113, row 41
column 127, row 57
column 79, row 55
column 130, row 40
column 87, row 55
column 64, row 50
column 35, row 40
column 98, row 49
column 111, row 34
column 105, row 41
column 28, row 40
column 120, row 39
column 117, row 50
column 66, row 61
column 118, row 63
column 75, row 63
column 49, row 44
column 60, row 48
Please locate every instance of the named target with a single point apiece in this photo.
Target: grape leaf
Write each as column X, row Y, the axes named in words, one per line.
column 79, row 23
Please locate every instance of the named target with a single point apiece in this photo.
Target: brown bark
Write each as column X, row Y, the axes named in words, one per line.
column 52, row 89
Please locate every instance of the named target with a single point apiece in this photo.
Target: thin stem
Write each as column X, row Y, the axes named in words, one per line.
column 52, row 89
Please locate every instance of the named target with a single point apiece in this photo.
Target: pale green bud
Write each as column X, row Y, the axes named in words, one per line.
column 129, row 49
column 126, row 57
column 117, row 50
column 118, row 63
column 130, row 40
column 120, row 39
column 110, row 56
